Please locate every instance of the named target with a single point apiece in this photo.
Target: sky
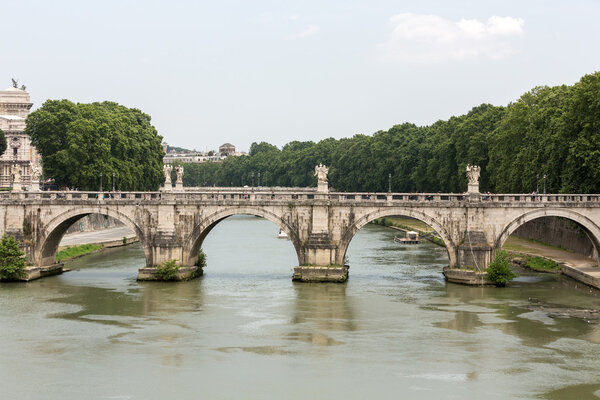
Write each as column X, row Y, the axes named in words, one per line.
column 210, row 72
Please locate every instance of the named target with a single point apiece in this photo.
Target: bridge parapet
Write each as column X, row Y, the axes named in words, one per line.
column 441, row 199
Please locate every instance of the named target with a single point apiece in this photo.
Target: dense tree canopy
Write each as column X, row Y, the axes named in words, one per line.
column 552, row 131
column 78, row 142
column 2, row 142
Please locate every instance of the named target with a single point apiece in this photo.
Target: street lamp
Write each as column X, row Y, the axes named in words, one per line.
column 113, row 182
column 537, row 184
column 390, row 182
column 252, row 178
column 259, row 179
column 544, row 183
column 100, row 181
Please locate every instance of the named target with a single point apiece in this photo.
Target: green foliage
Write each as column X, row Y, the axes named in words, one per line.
column 552, row 131
column 499, row 271
column 2, row 142
column 201, row 263
column 124, row 239
column 79, row 141
column 167, row 271
column 77, row 251
column 542, row 264
column 12, row 259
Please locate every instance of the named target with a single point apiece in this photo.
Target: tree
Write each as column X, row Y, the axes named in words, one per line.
column 499, row 271
column 2, row 142
column 12, row 260
column 78, row 142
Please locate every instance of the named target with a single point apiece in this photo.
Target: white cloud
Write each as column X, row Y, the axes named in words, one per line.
column 309, row 31
column 431, row 39
column 295, row 17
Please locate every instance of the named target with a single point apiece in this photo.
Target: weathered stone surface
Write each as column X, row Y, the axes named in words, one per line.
column 173, row 225
column 183, row 274
column 465, row 276
column 332, row 273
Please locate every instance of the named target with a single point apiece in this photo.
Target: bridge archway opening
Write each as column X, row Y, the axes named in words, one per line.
column 544, row 231
column 75, row 228
column 434, row 241
column 244, row 242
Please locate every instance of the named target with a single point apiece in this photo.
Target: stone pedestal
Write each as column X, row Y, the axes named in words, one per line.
column 473, row 188
column 179, row 186
column 168, row 188
column 35, row 187
column 323, row 187
column 16, row 187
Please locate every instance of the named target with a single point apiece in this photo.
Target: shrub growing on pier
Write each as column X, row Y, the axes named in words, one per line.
column 499, row 271
column 12, row 259
column 167, row 271
column 201, row 263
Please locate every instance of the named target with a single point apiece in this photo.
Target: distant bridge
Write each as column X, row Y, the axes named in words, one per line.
column 320, row 225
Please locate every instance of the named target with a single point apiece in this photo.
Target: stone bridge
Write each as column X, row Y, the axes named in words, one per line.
column 320, row 225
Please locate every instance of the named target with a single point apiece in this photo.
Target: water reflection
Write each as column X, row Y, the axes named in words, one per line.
column 515, row 311
column 321, row 307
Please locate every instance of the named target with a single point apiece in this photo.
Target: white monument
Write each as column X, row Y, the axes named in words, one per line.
column 179, row 181
column 473, row 172
column 168, row 186
column 321, row 172
column 14, row 108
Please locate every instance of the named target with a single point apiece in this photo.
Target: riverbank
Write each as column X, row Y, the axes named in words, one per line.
column 405, row 224
column 524, row 253
column 79, row 244
column 573, row 265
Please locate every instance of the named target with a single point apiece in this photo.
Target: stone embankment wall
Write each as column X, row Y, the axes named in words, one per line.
column 559, row 232
column 94, row 222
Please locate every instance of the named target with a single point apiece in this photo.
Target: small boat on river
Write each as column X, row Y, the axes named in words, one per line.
column 282, row 235
column 411, row 237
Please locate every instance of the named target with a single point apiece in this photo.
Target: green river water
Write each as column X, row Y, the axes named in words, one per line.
column 244, row 330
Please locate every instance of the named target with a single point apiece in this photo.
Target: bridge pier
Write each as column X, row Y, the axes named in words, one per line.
column 319, row 265
column 474, row 255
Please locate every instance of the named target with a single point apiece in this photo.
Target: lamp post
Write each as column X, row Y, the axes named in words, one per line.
column 259, row 179
column 390, row 182
column 100, row 181
column 537, row 184
column 544, row 183
column 113, row 182
column 252, row 178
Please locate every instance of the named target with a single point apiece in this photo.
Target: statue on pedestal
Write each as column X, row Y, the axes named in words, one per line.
column 473, row 172
column 179, row 181
column 36, row 174
column 167, row 168
column 179, row 170
column 321, row 172
column 17, row 178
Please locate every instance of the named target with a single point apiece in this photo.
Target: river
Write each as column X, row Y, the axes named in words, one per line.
column 244, row 330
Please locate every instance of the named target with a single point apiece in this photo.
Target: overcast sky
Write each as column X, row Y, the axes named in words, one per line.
column 210, row 72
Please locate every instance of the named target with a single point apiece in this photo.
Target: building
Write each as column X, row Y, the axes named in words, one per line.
column 227, row 149
column 14, row 108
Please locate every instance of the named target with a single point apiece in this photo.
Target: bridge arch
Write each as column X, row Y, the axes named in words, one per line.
column 590, row 228
column 52, row 233
column 193, row 243
column 408, row 212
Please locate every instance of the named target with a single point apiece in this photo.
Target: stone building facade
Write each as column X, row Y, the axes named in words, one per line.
column 14, row 108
